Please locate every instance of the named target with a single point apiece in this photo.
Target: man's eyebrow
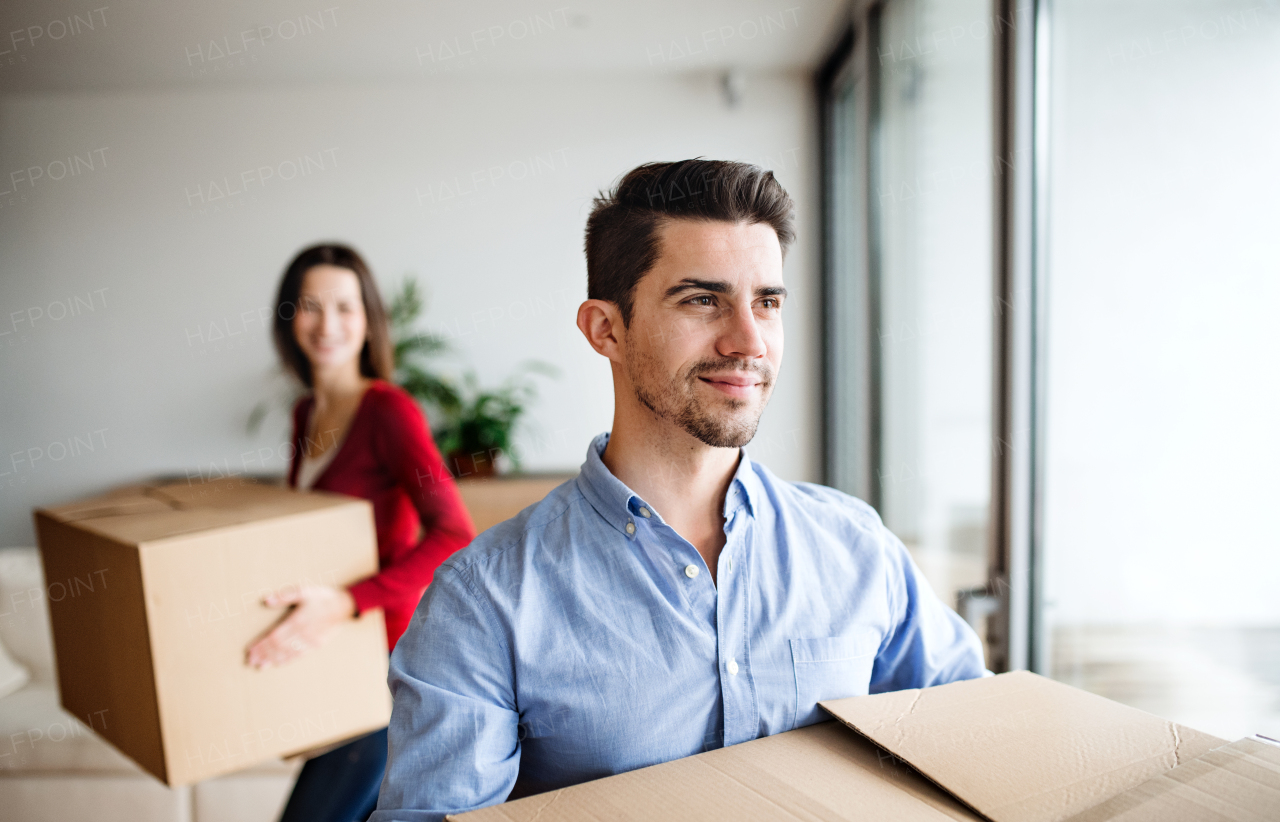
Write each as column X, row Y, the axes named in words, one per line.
column 690, row 284
column 720, row 287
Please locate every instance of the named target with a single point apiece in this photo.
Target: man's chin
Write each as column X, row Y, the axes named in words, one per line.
column 719, row 421
column 723, row 431
column 720, row 439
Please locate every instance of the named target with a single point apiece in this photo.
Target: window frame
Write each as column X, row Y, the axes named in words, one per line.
column 1012, row 597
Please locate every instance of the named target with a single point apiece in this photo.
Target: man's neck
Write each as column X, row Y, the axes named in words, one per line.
column 684, row 479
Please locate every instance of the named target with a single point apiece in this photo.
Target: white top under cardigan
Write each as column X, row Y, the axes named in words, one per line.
column 312, row 467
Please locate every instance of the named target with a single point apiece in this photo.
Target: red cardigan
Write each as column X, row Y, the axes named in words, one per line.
column 389, row 458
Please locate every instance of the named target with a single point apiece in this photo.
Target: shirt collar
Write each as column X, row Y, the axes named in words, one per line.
column 745, row 488
column 620, row 506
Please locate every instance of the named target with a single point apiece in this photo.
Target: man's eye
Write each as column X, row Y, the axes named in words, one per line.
column 703, row 300
column 772, row 303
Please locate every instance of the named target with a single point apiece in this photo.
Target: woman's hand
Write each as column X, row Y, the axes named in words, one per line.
column 316, row 611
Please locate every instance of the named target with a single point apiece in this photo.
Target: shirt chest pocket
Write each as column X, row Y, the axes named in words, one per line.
column 831, row 668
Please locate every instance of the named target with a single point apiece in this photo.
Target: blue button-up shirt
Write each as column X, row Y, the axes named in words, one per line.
column 585, row 637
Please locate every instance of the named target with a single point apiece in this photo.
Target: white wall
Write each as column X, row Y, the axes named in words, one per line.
column 149, row 271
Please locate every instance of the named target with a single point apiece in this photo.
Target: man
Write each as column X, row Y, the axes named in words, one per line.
column 674, row 597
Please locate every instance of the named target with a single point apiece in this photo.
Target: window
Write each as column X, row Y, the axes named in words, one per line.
column 932, row 197
column 909, row 204
column 1069, row 356
column 1162, row 414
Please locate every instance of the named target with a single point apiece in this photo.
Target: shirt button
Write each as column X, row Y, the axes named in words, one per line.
column 691, row 571
column 728, row 566
column 644, row 512
column 631, row 527
column 732, row 667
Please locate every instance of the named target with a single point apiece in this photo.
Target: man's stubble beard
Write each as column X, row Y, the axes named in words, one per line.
column 676, row 400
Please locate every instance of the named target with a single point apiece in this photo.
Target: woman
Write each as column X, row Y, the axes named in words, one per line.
column 355, row 434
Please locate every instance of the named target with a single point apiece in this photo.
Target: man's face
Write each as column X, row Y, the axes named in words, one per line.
column 705, row 341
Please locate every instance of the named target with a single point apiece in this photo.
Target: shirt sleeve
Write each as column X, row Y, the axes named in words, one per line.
column 930, row 644
column 453, row 743
column 404, row 445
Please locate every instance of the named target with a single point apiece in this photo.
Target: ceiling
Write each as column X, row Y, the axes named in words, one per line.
column 101, row 45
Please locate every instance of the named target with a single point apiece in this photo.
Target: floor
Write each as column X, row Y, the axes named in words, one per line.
column 1222, row 680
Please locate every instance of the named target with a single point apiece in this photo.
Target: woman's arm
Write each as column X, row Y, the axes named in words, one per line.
column 403, row 444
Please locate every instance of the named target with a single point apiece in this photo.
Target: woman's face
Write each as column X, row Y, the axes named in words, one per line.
column 330, row 325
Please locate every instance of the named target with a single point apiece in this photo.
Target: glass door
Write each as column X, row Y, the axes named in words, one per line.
column 909, row 281
column 932, row 210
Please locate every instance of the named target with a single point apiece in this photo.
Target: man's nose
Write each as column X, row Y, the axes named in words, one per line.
column 740, row 334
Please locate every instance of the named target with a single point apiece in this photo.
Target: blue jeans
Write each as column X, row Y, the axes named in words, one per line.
column 342, row 785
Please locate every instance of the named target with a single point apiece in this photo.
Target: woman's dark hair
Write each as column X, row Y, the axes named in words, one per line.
column 622, row 231
column 375, row 358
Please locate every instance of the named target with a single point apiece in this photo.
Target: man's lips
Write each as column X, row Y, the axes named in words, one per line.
column 735, row 385
column 732, row 379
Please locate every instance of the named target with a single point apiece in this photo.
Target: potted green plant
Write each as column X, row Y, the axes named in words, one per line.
column 412, row 349
column 477, row 424
column 474, row 426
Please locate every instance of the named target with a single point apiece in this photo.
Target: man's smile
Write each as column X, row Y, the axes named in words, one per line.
column 733, row 385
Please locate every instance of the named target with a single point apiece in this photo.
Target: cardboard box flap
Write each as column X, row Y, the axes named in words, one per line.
column 1240, row 781
column 1022, row 748
column 232, row 492
column 145, row 513
column 121, row 502
column 821, row 773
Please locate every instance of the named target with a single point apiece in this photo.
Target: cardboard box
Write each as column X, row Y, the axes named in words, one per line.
column 1011, row 748
column 497, row 499
column 1240, row 781
column 154, row 594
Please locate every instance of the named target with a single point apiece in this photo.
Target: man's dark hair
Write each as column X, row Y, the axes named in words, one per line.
column 622, row 231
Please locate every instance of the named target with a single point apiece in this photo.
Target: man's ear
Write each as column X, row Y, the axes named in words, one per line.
column 600, row 322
